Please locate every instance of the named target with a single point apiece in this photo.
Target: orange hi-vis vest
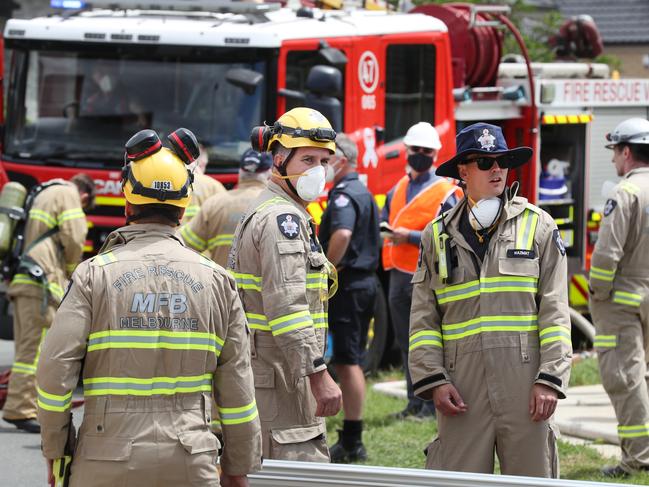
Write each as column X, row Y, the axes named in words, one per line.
column 421, row 210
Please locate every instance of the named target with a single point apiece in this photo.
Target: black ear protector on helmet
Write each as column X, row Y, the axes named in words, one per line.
column 185, row 145
column 146, row 143
column 260, row 136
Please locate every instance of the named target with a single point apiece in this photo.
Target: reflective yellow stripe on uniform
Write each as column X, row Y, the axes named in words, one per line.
column 243, row 414
column 629, row 187
column 630, row 299
column 425, row 337
column 191, row 211
column 274, row 200
column 553, row 334
column 487, row 285
column 43, row 217
column 26, row 279
column 605, row 341
column 483, row 324
column 30, row 369
column 220, row 240
column 53, row 402
column 207, row 262
column 601, row 274
column 70, row 268
column 55, row 290
column 23, row 368
column 633, row 431
column 71, row 214
column 525, row 234
column 320, row 320
column 293, row 321
column 192, row 239
column 257, row 322
column 316, row 280
column 105, row 259
column 130, row 386
column 170, row 340
column 247, row 281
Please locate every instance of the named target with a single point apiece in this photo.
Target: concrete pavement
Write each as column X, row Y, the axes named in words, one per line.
column 585, row 417
column 20, row 452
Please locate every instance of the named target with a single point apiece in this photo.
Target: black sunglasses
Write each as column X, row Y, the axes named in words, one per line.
column 485, row 163
column 425, row 150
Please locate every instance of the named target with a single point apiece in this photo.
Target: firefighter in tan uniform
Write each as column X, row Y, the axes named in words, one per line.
column 54, row 236
column 619, row 284
column 212, row 230
column 203, row 187
column 281, row 274
column 154, row 329
column 489, row 328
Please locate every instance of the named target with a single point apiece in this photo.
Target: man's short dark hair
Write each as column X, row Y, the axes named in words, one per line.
column 640, row 152
column 170, row 213
column 85, row 184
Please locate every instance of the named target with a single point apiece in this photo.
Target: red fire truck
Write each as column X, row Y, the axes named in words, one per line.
column 80, row 83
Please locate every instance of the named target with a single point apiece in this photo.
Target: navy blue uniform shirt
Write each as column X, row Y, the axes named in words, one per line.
column 352, row 206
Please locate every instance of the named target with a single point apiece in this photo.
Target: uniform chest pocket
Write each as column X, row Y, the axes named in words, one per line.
column 456, row 277
column 292, row 260
column 517, row 286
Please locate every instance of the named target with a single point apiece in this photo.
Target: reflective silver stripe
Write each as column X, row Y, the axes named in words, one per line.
column 525, row 235
column 155, row 385
column 424, row 338
column 154, row 339
column 238, row 415
column 481, row 324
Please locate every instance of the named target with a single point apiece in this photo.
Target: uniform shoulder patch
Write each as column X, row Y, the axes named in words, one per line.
column 341, row 201
column 289, row 225
column 556, row 237
column 609, row 207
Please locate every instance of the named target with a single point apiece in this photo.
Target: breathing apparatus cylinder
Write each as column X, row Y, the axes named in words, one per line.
column 12, row 197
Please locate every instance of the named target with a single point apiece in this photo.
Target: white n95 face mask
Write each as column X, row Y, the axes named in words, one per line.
column 485, row 213
column 311, row 183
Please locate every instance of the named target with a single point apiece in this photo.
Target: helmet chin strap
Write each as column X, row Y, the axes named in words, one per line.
column 283, row 175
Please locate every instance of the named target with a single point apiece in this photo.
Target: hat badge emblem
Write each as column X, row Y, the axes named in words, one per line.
column 487, row 140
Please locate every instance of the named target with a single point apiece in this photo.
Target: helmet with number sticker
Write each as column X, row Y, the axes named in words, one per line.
column 155, row 174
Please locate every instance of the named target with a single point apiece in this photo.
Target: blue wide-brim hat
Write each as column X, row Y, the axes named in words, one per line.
column 482, row 138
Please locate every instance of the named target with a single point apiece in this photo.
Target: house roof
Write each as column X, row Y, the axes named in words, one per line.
column 619, row 21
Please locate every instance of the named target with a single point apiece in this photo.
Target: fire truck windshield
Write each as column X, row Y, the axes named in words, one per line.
column 79, row 108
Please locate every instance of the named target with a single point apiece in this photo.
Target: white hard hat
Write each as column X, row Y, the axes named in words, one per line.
column 631, row 131
column 423, row 134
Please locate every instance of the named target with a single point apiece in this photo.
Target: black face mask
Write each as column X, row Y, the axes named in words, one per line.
column 420, row 162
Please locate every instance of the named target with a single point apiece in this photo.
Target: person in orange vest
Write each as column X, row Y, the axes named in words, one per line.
column 411, row 204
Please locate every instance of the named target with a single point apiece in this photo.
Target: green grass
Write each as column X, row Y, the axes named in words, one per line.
column 585, row 373
column 393, row 443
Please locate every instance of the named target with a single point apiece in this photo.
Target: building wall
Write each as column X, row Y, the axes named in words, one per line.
column 631, row 57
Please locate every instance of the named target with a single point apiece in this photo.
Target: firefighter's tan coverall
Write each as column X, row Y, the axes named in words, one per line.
column 212, row 230
column 619, row 282
column 281, row 274
column 493, row 330
column 35, row 299
column 203, row 187
column 157, row 328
